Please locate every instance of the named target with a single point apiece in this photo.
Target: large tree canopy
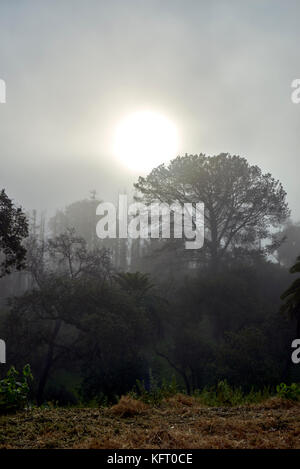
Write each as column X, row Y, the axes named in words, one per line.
column 13, row 229
column 242, row 205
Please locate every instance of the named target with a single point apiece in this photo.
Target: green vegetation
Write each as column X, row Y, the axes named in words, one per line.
column 14, row 393
column 220, row 395
column 291, row 392
column 14, row 390
column 156, row 393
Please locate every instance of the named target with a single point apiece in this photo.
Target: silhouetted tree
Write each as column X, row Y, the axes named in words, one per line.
column 55, row 267
column 241, row 203
column 13, row 229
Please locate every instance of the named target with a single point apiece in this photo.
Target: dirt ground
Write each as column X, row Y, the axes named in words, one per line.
column 178, row 423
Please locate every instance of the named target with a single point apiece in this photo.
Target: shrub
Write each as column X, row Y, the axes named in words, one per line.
column 291, row 392
column 225, row 395
column 14, row 391
column 156, row 392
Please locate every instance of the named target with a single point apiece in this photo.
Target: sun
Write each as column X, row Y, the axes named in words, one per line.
column 145, row 139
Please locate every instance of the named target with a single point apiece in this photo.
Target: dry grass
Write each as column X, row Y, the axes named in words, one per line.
column 128, row 407
column 180, row 422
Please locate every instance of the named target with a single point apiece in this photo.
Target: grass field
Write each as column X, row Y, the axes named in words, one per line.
column 179, row 422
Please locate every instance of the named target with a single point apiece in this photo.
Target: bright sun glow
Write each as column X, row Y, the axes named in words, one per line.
column 143, row 140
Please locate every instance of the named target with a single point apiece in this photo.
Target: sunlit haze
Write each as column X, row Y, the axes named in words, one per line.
column 144, row 140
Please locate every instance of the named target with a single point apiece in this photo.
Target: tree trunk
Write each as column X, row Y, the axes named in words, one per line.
column 181, row 372
column 214, row 260
column 48, row 362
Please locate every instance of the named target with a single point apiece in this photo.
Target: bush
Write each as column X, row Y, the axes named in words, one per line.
column 225, row 395
column 220, row 395
column 291, row 392
column 156, row 393
column 14, row 392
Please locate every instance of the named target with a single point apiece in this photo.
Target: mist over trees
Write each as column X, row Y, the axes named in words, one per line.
column 94, row 316
column 289, row 246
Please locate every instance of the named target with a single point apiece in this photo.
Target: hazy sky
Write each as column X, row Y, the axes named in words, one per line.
column 220, row 70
